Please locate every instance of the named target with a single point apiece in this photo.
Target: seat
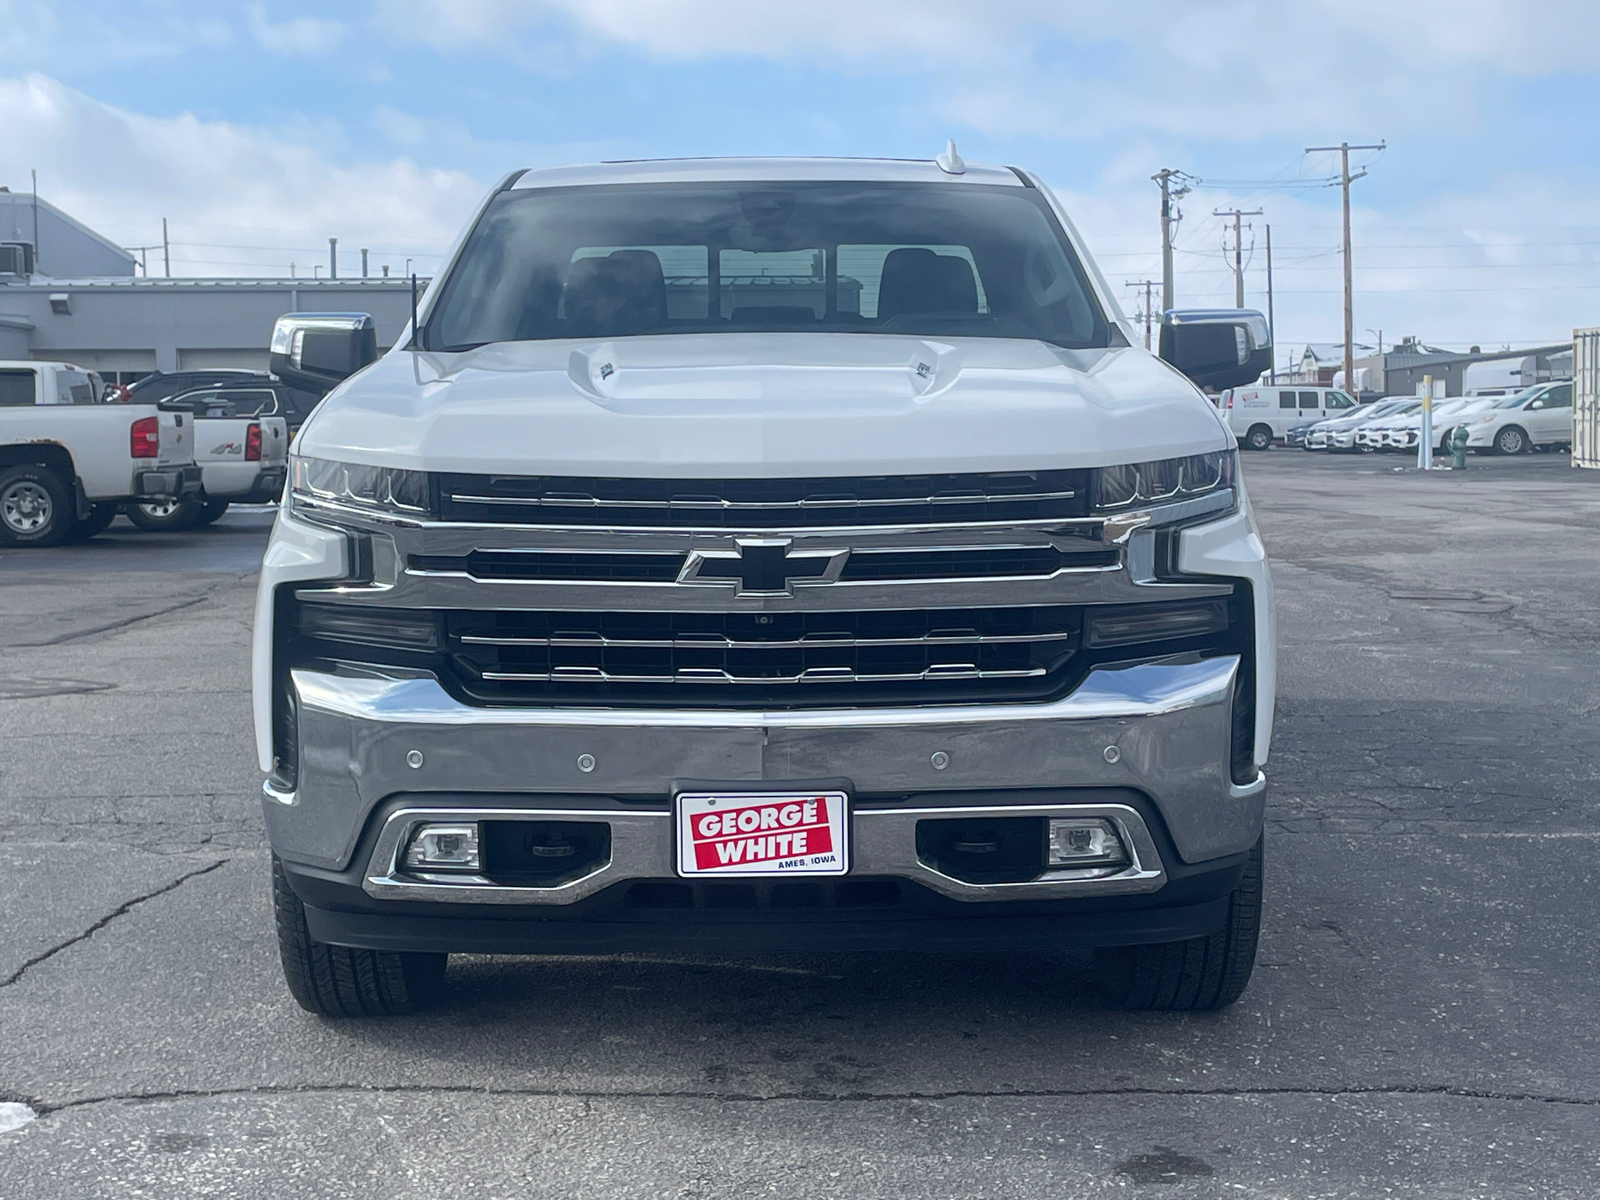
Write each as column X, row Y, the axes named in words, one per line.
column 621, row 294
column 916, row 280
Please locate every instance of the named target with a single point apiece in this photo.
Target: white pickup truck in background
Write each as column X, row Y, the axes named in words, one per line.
column 68, row 461
column 241, row 448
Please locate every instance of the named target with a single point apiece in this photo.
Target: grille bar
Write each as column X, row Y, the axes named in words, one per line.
column 717, row 504
column 810, row 641
column 716, row 675
column 955, row 499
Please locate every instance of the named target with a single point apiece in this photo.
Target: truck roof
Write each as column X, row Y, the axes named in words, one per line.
column 750, row 170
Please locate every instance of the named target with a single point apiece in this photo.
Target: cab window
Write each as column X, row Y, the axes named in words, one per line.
column 1339, row 400
column 1559, row 396
column 16, row 388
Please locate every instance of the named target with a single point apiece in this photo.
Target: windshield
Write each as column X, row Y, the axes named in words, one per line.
column 940, row 260
column 1520, row 398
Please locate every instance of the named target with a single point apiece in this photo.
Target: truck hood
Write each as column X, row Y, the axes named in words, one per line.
column 756, row 405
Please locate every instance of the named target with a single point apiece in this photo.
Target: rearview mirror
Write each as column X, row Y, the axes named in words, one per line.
column 315, row 352
column 1217, row 347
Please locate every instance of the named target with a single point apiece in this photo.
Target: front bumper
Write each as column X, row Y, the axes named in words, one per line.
column 167, row 483
column 1161, row 728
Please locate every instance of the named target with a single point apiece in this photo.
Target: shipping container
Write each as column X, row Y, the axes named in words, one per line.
column 1586, row 398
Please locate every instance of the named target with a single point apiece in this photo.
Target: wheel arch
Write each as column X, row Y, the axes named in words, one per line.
column 52, row 455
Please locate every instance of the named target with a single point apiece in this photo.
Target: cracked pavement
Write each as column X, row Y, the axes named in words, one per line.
column 1422, row 1021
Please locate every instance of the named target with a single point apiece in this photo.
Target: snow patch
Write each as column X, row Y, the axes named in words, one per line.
column 15, row 1116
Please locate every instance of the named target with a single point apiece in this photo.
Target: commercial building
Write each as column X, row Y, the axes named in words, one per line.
column 72, row 295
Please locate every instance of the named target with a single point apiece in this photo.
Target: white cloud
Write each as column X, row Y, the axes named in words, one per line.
column 1228, row 70
column 298, row 35
column 190, row 171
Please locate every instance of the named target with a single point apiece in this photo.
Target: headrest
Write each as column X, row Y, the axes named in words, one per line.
column 919, row 281
column 623, row 293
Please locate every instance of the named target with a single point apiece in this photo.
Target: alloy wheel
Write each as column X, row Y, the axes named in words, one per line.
column 26, row 507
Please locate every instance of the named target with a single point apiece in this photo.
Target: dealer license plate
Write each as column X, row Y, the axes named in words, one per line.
column 735, row 834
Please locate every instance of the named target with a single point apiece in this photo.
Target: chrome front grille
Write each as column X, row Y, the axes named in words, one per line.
column 768, row 659
column 758, row 594
column 764, row 503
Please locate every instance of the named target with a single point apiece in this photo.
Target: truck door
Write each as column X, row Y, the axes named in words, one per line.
column 1311, row 406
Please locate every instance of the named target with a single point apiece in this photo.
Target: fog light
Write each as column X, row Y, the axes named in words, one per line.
column 443, row 847
column 1085, row 842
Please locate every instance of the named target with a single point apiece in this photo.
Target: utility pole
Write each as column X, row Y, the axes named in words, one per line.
column 1149, row 286
column 1272, row 325
column 166, row 249
column 1169, row 225
column 1238, row 250
column 1345, row 180
column 333, row 258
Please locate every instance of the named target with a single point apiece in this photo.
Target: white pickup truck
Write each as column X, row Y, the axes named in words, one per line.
column 765, row 555
column 68, row 461
column 241, row 445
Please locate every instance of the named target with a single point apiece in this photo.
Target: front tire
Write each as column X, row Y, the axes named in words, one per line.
column 164, row 516
column 338, row 981
column 1259, row 438
column 36, row 508
column 1510, row 440
column 1195, row 975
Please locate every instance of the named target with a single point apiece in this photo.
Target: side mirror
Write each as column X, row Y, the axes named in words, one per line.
column 315, row 352
column 1218, row 347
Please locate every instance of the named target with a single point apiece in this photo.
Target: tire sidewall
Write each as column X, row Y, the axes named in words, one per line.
column 1522, row 440
column 62, row 513
column 182, row 517
column 1254, row 440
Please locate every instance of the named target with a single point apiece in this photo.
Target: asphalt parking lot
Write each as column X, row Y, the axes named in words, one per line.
column 1423, row 1021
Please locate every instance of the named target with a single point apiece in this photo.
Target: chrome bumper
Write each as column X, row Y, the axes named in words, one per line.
column 1162, row 728
column 883, row 842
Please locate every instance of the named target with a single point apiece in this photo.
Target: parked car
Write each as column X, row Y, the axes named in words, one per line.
column 1262, row 414
column 611, row 611
column 163, row 385
column 241, row 446
column 1539, row 417
column 292, row 404
column 68, row 460
column 1405, row 433
column 1339, row 433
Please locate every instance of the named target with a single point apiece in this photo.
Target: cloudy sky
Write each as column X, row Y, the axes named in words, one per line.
column 260, row 130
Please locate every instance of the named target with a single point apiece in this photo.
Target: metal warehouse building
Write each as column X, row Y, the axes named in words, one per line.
column 67, row 293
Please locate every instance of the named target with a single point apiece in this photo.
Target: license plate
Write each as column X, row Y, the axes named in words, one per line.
column 735, row 834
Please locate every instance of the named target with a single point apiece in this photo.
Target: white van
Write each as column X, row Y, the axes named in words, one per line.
column 1264, row 413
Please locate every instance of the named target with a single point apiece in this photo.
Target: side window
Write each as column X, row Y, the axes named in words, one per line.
column 16, row 388
column 1559, row 396
column 1309, row 400
column 1287, row 400
column 1339, row 400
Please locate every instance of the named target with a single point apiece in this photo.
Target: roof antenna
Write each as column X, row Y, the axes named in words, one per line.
column 950, row 162
column 413, row 344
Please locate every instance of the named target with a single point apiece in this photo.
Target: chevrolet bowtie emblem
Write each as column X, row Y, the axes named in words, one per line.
column 763, row 566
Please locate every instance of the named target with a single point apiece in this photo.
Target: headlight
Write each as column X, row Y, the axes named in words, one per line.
column 379, row 490
column 1168, row 481
column 1480, row 420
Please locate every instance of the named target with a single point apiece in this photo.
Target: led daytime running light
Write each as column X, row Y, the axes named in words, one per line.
column 1166, row 481
column 356, row 485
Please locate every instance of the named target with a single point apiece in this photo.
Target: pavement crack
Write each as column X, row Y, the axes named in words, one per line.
column 121, row 909
column 62, row 638
column 44, row 1108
